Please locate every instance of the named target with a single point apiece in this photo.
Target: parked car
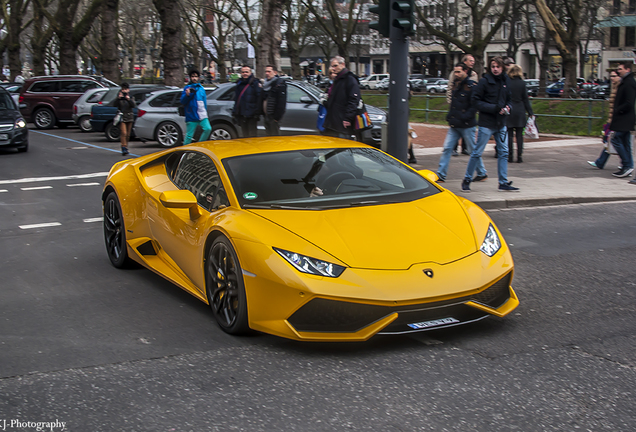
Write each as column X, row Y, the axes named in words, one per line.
column 427, row 83
column 14, row 90
column 13, row 128
column 586, row 89
column 48, row 100
column 101, row 96
column 383, row 85
column 438, row 87
column 555, row 89
column 370, row 82
column 102, row 114
column 158, row 118
column 532, row 87
column 601, row 91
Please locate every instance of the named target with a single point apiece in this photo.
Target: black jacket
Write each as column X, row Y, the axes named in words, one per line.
column 520, row 103
column 342, row 104
column 489, row 96
column 623, row 117
column 461, row 113
column 250, row 102
column 276, row 99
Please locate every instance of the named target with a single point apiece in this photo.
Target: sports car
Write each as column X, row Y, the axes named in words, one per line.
column 310, row 238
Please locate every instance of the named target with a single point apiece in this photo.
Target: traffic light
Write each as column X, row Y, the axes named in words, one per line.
column 384, row 17
column 406, row 21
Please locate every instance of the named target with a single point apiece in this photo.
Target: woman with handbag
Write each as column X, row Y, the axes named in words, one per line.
column 516, row 121
column 600, row 162
column 125, row 105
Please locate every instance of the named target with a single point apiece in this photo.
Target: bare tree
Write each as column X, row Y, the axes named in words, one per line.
column 110, row 53
column 171, row 53
column 295, row 17
column 13, row 12
column 269, row 37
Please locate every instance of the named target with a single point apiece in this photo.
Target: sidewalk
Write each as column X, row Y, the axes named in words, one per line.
column 554, row 172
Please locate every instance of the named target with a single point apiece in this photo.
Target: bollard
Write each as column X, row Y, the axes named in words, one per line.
column 384, row 143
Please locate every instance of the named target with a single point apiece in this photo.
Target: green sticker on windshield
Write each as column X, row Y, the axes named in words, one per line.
column 250, row 195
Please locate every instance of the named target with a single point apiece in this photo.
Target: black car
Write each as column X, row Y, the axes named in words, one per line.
column 13, row 128
column 532, row 86
column 601, row 91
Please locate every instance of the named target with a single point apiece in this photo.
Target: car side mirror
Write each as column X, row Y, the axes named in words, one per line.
column 429, row 175
column 306, row 100
column 181, row 199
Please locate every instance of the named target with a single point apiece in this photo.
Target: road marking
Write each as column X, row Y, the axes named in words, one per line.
column 97, row 219
column 41, row 225
column 36, row 188
column 78, row 148
column 83, row 184
column 41, row 179
column 83, row 143
column 3, row 190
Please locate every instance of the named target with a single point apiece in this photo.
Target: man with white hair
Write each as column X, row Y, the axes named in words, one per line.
column 342, row 101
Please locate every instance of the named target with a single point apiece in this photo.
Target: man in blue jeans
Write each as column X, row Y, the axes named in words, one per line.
column 492, row 98
column 195, row 104
column 623, row 119
column 462, row 122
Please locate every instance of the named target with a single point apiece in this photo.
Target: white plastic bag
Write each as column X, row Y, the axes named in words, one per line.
column 117, row 118
column 531, row 130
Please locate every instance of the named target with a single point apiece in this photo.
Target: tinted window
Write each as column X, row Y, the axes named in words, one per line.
column 44, row 87
column 72, row 86
column 325, row 178
column 96, row 97
column 228, row 95
column 294, row 94
column 162, row 101
column 198, row 174
column 139, row 97
column 110, row 95
column 6, row 103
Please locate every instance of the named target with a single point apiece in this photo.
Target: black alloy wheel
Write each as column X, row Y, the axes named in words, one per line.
column 112, row 132
column 225, row 289
column 115, row 232
column 44, row 118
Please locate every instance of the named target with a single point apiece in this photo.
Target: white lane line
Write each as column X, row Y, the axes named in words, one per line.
column 83, row 184
column 97, row 219
column 4, row 190
column 36, row 188
column 80, row 142
column 78, row 148
column 41, row 225
column 41, row 179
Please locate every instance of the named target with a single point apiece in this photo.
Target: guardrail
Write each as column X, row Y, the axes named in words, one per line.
column 589, row 116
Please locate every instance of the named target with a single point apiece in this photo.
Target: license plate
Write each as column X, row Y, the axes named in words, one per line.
column 433, row 323
column 4, row 136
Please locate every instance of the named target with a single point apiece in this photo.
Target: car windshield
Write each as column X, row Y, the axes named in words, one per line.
column 323, row 179
column 310, row 88
column 6, row 103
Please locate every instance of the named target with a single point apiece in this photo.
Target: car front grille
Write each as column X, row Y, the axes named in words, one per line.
column 6, row 127
column 324, row 315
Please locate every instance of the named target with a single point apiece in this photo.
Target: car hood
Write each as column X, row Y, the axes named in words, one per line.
column 9, row 116
column 390, row 236
column 374, row 110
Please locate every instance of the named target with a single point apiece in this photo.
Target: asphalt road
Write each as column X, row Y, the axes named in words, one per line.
column 101, row 349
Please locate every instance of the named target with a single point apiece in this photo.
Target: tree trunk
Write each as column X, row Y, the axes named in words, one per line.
column 110, row 54
column 171, row 53
column 270, row 38
column 13, row 45
column 71, row 36
column 39, row 41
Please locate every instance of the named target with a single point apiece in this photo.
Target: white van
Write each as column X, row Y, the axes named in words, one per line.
column 372, row 80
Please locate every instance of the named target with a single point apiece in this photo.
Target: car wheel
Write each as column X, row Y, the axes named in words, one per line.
column 44, row 118
column 168, row 134
column 85, row 124
column 225, row 288
column 221, row 131
column 432, row 90
column 115, row 232
column 112, row 132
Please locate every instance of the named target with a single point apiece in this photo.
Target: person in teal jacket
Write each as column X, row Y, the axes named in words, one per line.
column 195, row 106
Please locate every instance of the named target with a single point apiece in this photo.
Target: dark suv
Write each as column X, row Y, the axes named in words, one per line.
column 48, row 100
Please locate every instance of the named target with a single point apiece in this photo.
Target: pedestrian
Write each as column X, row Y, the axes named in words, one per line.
column 342, row 101
column 19, row 79
column 516, row 121
column 275, row 100
column 125, row 104
column 491, row 97
column 623, row 119
column 605, row 153
column 195, row 106
column 462, row 122
column 468, row 60
column 508, row 63
column 248, row 97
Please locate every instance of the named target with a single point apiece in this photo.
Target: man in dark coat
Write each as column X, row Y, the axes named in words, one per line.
column 342, row 101
column 491, row 97
column 461, row 119
column 275, row 100
column 623, row 119
column 247, row 102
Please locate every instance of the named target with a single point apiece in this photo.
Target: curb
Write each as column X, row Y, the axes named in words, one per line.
column 544, row 202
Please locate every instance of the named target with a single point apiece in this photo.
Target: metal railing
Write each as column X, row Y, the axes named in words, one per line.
column 589, row 115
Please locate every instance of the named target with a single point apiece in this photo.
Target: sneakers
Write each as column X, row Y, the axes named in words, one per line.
column 124, row 151
column 632, row 181
column 466, row 185
column 455, row 153
column 507, row 187
column 440, row 179
column 593, row 164
column 480, row 177
column 412, row 160
column 623, row 172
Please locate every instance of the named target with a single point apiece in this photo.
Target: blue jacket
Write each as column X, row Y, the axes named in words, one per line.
column 195, row 104
column 248, row 102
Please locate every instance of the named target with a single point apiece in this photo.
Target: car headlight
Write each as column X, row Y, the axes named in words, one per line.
column 310, row 265
column 20, row 123
column 491, row 243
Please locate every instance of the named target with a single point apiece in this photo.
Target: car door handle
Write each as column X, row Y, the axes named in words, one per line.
column 56, row 97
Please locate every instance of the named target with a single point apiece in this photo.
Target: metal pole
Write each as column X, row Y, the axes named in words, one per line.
column 397, row 144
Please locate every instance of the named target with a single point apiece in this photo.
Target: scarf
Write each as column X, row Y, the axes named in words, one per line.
column 267, row 84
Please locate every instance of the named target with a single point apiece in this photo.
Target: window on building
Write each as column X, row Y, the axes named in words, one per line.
column 505, row 30
column 518, row 30
column 533, row 24
column 616, row 9
column 632, row 7
column 491, row 23
column 630, row 36
column 466, row 27
column 614, row 36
